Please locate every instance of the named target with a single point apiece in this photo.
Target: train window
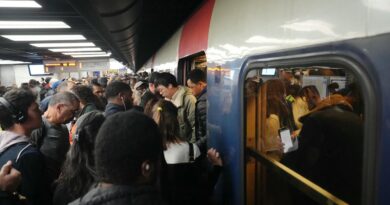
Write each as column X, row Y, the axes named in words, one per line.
column 196, row 61
column 318, row 111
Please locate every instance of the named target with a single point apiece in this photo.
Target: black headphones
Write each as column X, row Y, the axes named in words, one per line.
column 17, row 115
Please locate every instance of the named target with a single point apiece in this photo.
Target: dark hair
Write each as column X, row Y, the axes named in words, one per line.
column 197, row 75
column 24, row 86
column 152, row 77
column 78, row 171
column 120, row 149
column 166, row 116
column 116, row 87
column 103, row 81
column 21, row 100
column 309, row 92
column 85, row 94
column 165, row 79
column 94, row 82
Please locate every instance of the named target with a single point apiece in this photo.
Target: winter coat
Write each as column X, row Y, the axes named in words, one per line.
column 112, row 108
column 120, row 195
column 185, row 102
column 331, row 148
column 201, row 121
column 53, row 142
column 30, row 164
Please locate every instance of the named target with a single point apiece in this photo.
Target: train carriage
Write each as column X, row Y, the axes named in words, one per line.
column 238, row 40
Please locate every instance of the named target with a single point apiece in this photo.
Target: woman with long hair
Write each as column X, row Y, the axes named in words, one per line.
column 78, row 172
column 278, row 116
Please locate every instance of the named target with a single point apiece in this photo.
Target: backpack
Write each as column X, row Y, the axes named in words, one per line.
column 7, row 198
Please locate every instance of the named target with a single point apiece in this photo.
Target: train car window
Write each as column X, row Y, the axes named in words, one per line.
column 307, row 121
column 196, row 61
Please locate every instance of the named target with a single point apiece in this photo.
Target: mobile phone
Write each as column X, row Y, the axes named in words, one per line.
column 285, row 136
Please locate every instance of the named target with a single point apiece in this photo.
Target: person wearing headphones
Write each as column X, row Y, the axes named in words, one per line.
column 19, row 116
column 119, row 98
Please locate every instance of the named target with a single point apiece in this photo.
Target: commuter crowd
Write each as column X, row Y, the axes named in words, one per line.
column 120, row 140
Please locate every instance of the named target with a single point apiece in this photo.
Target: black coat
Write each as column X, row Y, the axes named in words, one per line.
column 330, row 151
column 31, row 165
column 53, row 142
column 120, row 195
column 201, row 122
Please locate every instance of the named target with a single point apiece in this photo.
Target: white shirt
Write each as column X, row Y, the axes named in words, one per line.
column 179, row 153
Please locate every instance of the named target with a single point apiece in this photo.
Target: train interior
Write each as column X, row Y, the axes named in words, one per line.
column 280, row 101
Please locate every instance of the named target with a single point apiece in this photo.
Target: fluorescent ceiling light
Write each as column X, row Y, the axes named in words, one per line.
column 85, row 53
column 44, row 37
column 20, row 4
column 74, row 49
column 59, row 45
column 10, row 62
column 90, row 56
column 32, row 24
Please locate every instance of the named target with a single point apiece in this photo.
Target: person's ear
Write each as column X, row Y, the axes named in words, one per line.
column 147, row 169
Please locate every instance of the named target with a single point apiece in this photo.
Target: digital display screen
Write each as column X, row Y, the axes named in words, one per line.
column 268, row 71
column 37, row 70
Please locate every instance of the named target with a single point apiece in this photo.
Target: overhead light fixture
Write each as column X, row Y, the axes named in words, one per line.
column 44, row 37
column 74, row 49
column 11, row 62
column 85, row 53
column 90, row 56
column 59, row 45
column 20, row 4
column 32, row 24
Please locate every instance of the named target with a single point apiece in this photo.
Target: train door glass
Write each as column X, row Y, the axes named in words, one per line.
column 196, row 61
column 304, row 135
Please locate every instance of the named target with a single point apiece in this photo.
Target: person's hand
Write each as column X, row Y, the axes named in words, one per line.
column 214, row 157
column 10, row 178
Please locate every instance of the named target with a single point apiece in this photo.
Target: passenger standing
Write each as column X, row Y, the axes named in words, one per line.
column 278, row 116
column 53, row 137
column 98, row 91
column 127, row 161
column 330, row 148
column 19, row 115
column 78, row 172
column 119, row 99
column 183, row 99
column 151, row 92
column 197, row 82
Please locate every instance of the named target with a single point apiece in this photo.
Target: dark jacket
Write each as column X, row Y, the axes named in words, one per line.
column 53, row 142
column 330, row 151
column 112, row 108
column 201, row 121
column 120, row 195
column 145, row 98
column 32, row 166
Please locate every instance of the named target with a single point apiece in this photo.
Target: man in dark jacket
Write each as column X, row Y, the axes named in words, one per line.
column 119, row 98
column 52, row 138
column 198, row 84
column 127, row 160
column 330, row 149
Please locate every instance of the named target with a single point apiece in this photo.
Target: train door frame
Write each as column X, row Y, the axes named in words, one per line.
column 360, row 68
column 185, row 66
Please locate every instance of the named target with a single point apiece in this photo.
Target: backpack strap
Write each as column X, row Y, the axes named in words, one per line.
column 21, row 151
column 191, row 152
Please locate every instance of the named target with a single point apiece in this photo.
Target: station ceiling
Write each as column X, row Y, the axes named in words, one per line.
column 132, row 30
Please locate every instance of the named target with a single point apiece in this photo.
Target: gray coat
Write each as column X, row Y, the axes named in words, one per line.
column 185, row 102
